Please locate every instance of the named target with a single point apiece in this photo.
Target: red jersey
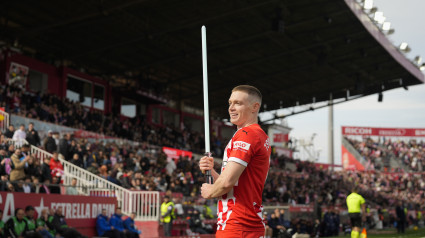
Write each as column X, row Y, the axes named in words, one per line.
column 240, row 208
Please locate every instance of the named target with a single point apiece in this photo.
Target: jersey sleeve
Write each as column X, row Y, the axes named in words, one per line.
column 362, row 201
column 242, row 147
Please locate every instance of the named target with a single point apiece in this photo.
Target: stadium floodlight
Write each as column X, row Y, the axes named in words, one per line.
column 386, row 26
column 368, row 4
column 379, row 17
column 404, row 47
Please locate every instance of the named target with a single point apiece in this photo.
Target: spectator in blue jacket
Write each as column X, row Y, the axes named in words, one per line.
column 129, row 225
column 117, row 222
column 104, row 228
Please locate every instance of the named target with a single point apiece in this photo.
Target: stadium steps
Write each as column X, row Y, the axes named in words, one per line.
column 354, row 152
column 145, row 204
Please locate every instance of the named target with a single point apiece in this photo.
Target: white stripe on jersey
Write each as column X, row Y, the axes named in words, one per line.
column 239, row 161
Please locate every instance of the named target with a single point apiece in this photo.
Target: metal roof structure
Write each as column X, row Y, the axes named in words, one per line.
column 293, row 51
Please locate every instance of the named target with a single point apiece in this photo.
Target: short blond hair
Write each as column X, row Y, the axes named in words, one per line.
column 250, row 90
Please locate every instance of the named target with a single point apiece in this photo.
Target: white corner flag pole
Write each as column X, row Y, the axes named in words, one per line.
column 208, row 177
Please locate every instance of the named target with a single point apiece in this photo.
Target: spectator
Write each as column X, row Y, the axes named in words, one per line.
column 62, row 227
column 117, row 222
column 45, row 187
column 104, row 228
column 49, row 143
column 331, row 222
column 129, row 225
column 64, row 146
column 55, row 186
column 195, row 222
column 46, row 173
column 27, row 186
column 18, row 163
column 20, row 134
column 10, row 132
column 401, row 217
column 77, row 161
column 16, row 226
column 44, row 222
column 6, row 163
column 56, row 167
column 72, row 190
column 32, row 135
column 1, row 224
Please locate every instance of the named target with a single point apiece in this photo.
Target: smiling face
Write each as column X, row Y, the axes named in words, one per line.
column 243, row 109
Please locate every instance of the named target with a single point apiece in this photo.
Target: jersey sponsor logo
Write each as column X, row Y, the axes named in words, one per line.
column 241, row 145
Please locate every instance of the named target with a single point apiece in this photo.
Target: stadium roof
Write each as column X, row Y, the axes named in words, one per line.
column 293, row 51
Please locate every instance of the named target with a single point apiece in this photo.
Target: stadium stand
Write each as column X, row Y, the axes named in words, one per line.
column 410, row 153
column 290, row 182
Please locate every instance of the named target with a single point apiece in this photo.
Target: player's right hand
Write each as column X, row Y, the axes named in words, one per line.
column 206, row 163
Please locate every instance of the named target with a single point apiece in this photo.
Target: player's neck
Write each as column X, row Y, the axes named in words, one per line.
column 248, row 124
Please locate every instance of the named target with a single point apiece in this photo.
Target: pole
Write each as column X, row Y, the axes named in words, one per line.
column 331, row 133
column 208, row 177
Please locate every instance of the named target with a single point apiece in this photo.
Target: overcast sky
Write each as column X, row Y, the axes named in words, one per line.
column 400, row 108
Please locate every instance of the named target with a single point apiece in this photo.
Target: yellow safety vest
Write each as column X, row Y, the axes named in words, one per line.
column 164, row 210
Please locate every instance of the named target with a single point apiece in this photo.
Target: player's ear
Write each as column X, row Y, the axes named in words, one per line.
column 256, row 107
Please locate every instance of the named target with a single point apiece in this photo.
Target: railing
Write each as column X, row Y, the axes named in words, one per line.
column 144, row 204
column 4, row 124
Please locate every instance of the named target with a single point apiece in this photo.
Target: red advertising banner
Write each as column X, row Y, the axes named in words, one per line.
column 280, row 137
column 175, row 153
column 80, row 211
column 377, row 131
column 349, row 161
column 326, row 166
column 89, row 134
column 301, row 208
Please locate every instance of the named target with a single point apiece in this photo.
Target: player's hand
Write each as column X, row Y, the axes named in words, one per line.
column 206, row 163
column 206, row 190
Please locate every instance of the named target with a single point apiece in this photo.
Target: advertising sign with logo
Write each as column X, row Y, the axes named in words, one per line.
column 388, row 132
column 80, row 211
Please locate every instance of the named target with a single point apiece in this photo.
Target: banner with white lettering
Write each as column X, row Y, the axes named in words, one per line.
column 80, row 211
column 379, row 131
column 176, row 153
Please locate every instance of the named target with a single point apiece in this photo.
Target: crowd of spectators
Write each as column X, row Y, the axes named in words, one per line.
column 50, row 223
column 51, row 108
column 144, row 167
column 410, row 152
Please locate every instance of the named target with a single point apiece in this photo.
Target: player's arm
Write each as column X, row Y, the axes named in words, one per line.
column 225, row 182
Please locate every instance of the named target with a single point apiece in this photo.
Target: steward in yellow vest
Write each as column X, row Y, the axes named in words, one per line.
column 167, row 215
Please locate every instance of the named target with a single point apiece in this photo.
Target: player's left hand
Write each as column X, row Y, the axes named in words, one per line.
column 206, row 190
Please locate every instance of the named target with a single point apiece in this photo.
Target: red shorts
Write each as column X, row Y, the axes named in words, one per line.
column 239, row 234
